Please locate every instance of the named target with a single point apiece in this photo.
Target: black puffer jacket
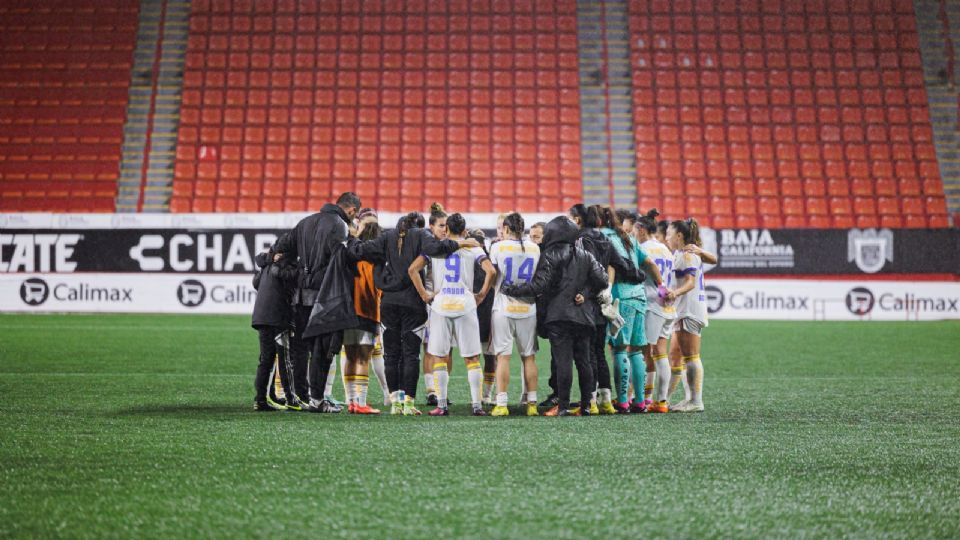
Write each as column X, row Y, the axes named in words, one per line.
column 275, row 283
column 564, row 270
column 312, row 243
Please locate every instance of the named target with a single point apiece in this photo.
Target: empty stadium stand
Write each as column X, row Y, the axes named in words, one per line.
column 473, row 103
column 807, row 113
column 64, row 75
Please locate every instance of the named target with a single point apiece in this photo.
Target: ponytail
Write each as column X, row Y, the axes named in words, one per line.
column 648, row 221
column 609, row 219
column 689, row 229
column 407, row 222
column 514, row 223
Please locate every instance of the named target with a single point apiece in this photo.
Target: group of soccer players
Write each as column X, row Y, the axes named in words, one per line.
column 593, row 279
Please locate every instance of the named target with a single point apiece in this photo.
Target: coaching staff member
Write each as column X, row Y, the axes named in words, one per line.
column 312, row 243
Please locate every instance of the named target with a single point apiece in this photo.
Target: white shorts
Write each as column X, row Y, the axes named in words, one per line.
column 689, row 326
column 656, row 327
column 463, row 330
column 505, row 330
column 355, row 336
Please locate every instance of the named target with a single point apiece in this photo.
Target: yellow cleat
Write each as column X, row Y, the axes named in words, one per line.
column 500, row 410
column 532, row 410
column 593, row 408
column 605, row 408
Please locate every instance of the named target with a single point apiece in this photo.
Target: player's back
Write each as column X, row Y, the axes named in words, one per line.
column 453, row 281
column 663, row 258
column 516, row 262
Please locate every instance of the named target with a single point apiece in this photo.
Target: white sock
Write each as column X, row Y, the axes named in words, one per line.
column 593, row 397
column 604, row 395
column 362, row 384
column 350, row 388
column 663, row 378
column 532, row 397
column 648, row 389
column 686, row 384
column 475, row 378
column 331, row 378
column 501, row 399
column 376, row 363
column 523, row 382
column 695, row 378
column 428, row 383
column 488, row 383
column 442, row 379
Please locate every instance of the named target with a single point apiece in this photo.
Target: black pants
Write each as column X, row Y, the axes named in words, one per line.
column 553, row 373
column 401, row 347
column 571, row 345
column 300, row 352
column 269, row 348
column 325, row 347
column 598, row 356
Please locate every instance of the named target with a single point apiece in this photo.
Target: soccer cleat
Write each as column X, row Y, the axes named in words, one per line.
column 569, row 412
column 432, row 399
column 551, row 401
column 333, row 400
column 692, row 407
column 263, row 406
column 554, row 411
column 532, row 409
column 274, row 404
column 647, row 403
column 323, row 406
column 410, row 410
column 295, row 404
column 396, row 408
column 440, row 411
column 606, row 408
column 622, row 408
column 574, row 410
column 364, row 409
column 678, row 407
column 637, row 407
column 658, row 407
column 500, row 410
column 478, row 411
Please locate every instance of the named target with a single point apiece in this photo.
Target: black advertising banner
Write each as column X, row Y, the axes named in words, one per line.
column 133, row 250
column 778, row 252
column 834, row 251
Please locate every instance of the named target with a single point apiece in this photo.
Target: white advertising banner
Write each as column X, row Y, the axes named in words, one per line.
column 756, row 299
column 832, row 300
column 128, row 293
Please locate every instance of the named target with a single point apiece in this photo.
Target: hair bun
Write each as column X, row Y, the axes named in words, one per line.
column 436, row 208
column 653, row 213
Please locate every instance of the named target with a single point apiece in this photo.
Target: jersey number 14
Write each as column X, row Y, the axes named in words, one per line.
column 524, row 271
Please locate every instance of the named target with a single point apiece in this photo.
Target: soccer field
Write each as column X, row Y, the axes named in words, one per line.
column 142, row 426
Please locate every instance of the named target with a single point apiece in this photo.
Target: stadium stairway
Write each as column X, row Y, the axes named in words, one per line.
column 938, row 25
column 149, row 147
column 606, row 119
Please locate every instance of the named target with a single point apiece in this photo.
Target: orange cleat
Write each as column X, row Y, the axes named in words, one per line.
column 658, row 407
column 362, row 409
column 555, row 410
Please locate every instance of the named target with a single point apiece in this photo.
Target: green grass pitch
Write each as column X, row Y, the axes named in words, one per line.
column 142, row 426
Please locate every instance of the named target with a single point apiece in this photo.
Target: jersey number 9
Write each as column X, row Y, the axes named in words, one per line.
column 453, row 269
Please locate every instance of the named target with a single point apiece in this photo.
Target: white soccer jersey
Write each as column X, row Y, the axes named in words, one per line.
column 516, row 263
column 661, row 256
column 693, row 304
column 453, row 282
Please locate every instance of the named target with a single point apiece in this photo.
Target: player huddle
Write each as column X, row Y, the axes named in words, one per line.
column 338, row 285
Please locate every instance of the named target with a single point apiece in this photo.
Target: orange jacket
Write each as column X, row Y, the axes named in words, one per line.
column 366, row 297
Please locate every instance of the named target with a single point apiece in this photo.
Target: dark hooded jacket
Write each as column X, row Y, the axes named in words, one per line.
column 312, row 243
column 565, row 270
column 275, row 283
column 391, row 276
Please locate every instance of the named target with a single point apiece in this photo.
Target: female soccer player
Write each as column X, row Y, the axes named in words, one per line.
column 588, row 219
column 438, row 227
column 629, row 342
column 514, row 319
column 691, row 303
column 660, row 314
column 453, row 319
column 569, row 279
column 359, row 342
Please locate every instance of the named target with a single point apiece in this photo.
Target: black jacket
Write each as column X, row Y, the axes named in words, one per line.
column 275, row 283
column 565, row 270
column 312, row 243
column 390, row 276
